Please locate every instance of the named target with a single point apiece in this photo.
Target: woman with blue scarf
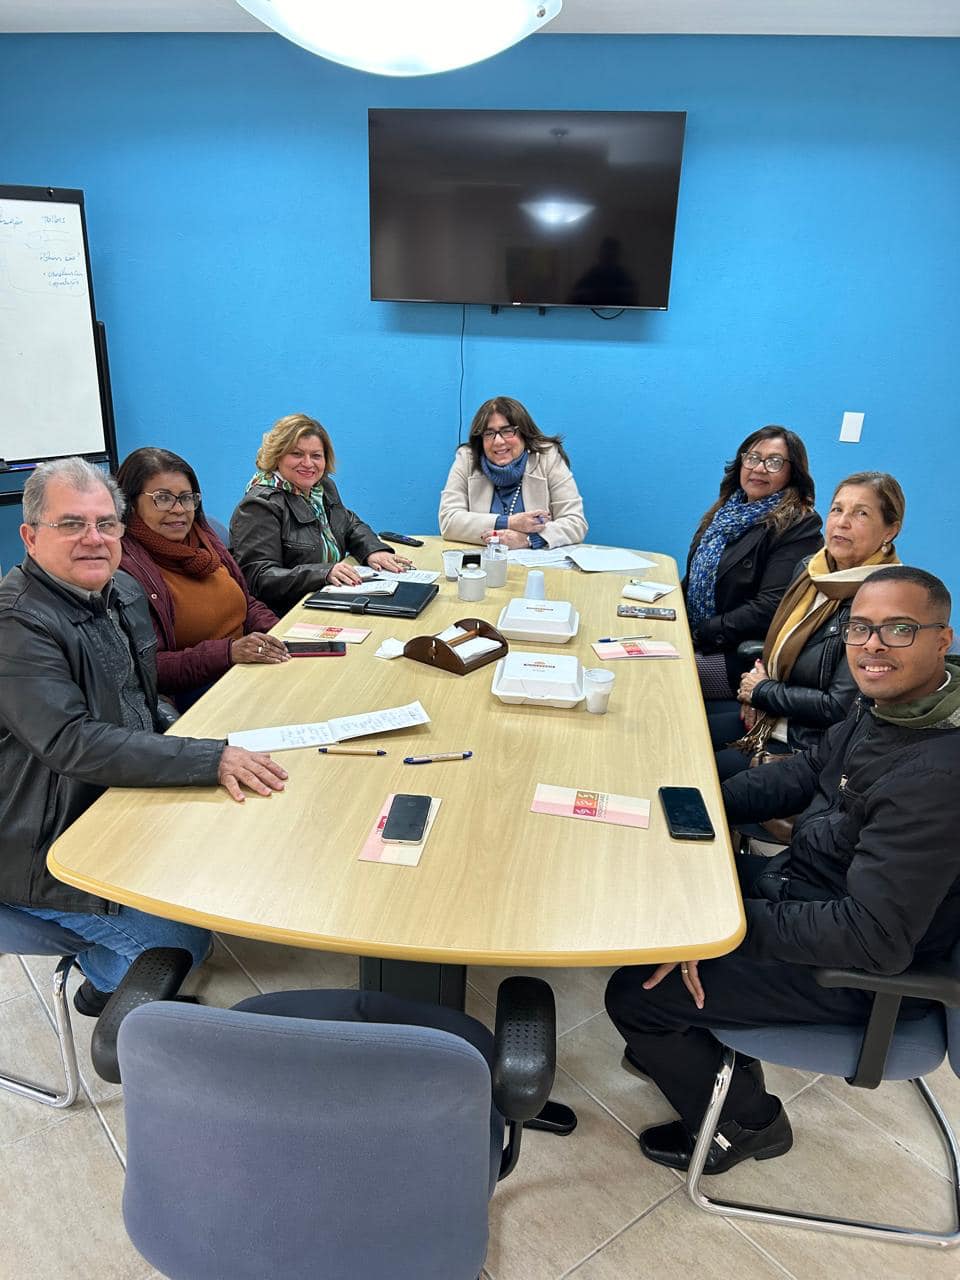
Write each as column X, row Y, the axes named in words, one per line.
column 746, row 551
column 511, row 480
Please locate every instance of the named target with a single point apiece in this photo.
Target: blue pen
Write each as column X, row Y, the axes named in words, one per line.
column 620, row 639
column 446, row 755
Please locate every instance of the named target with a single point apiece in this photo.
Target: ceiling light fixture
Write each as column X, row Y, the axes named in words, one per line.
column 404, row 37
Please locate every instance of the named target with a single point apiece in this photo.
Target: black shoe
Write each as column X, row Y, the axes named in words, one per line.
column 89, row 1001
column 672, row 1144
column 631, row 1063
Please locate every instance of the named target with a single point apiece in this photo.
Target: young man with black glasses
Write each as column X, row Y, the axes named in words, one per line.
column 871, row 879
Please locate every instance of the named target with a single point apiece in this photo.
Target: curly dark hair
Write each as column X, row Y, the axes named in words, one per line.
column 798, row 495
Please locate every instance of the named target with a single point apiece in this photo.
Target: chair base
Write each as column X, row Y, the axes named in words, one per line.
column 66, row 1096
column 815, row 1221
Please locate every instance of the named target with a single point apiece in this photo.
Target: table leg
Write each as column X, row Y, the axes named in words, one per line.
column 444, row 984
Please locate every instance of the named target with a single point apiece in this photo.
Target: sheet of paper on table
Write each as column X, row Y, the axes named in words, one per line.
column 307, row 631
column 371, row 587
column 607, row 560
column 324, row 733
column 634, row 649
column 542, row 558
column 399, row 855
column 593, row 806
column 646, row 590
column 411, row 575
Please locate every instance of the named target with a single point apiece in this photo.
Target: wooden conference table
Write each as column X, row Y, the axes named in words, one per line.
column 497, row 884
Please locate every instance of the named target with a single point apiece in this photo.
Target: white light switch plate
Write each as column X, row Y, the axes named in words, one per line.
column 851, row 427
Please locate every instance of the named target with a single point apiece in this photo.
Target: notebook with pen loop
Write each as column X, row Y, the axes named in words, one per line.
column 392, row 600
column 461, row 648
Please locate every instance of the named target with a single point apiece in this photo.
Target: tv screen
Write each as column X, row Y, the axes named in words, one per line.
column 538, row 208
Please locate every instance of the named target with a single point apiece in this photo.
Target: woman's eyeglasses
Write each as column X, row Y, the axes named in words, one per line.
column 895, row 635
column 772, row 463
column 164, row 500
column 505, row 433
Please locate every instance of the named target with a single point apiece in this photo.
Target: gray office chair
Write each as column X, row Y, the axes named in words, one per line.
column 341, row 1135
column 24, row 935
column 886, row 1049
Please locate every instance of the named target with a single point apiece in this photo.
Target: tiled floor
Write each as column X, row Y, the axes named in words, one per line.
column 587, row 1206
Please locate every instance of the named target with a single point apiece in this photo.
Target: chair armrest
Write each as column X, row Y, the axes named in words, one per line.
column 936, row 982
column 750, row 649
column 525, row 1047
column 932, row 981
column 154, row 975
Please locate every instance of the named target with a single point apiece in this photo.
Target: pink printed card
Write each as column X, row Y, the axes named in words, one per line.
column 593, row 806
column 308, row 631
column 635, row 649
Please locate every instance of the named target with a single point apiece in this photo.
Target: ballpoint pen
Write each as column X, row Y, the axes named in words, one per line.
column 351, row 751
column 444, row 755
column 620, row 639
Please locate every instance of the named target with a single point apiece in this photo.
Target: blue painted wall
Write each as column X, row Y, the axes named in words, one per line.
column 817, row 266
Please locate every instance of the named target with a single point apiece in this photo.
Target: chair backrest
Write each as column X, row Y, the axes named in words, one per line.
column 285, row 1147
column 22, row 934
column 953, row 1018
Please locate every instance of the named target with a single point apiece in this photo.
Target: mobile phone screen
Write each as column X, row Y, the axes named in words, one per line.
column 316, row 648
column 686, row 814
column 407, row 820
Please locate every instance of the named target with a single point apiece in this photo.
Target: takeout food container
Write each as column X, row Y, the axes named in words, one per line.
column 540, row 679
column 539, row 621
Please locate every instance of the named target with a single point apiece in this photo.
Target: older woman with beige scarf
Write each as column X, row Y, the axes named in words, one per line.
column 802, row 684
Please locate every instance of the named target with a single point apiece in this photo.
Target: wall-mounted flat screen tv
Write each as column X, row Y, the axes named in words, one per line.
column 536, row 208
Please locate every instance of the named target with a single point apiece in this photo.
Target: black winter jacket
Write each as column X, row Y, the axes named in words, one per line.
column 61, row 740
column 871, row 879
column 276, row 539
column 753, row 573
column 819, row 690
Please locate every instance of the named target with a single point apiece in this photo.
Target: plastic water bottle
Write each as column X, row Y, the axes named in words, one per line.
column 495, row 562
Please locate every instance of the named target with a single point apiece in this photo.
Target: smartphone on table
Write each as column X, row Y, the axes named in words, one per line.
column 646, row 611
column 686, row 814
column 316, row 648
column 406, row 820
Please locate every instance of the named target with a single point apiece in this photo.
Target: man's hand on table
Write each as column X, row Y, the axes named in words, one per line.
column 252, row 769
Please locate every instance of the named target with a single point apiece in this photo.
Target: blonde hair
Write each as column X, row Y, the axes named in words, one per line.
column 285, row 433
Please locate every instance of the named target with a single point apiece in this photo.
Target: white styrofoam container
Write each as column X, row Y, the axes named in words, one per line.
column 539, row 621
column 540, row 679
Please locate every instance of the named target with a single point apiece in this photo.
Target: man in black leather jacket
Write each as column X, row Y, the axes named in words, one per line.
column 79, row 713
column 871, row 879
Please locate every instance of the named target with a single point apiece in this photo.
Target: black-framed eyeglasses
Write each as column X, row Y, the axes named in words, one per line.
column 164, row 500
column 107, row 527
column 773, row 462
column 895, row 635
column 505, row 433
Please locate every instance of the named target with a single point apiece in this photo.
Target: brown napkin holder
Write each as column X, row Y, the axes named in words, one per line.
column 434, row 652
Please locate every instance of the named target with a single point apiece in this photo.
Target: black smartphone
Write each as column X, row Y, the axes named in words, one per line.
column 403, row 538
column 406, row 820
column 316, row 648
column 471, row 560
column 645, row 611
column 686, row 814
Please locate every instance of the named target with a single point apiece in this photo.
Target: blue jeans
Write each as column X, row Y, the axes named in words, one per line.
column 117, row 940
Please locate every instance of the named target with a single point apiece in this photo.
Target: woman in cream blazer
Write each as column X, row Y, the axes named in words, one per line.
column 511, row 480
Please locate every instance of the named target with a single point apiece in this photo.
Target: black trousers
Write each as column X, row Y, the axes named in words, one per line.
column 670, row 1038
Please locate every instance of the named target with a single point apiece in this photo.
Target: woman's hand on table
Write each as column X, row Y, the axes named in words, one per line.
column 749, row 681
column 389, row 562
column 689, row 974
column 257, row 647
column 343, row 575
column 252, row 769
column 509, row 538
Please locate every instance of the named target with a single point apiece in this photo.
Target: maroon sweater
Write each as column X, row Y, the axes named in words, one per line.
column 179, row 670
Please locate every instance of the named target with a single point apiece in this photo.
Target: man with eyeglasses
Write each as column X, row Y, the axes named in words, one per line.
column 871, row 879
column 79, row 712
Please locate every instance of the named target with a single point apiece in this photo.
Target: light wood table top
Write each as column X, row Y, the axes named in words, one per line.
column 497, row 884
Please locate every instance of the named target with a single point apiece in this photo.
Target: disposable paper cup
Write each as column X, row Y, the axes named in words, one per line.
column 597, row 685
column 536, row 588
column 472, row 584
column 452, row 562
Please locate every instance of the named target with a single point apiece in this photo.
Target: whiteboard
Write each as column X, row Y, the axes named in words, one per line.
column 50, row 402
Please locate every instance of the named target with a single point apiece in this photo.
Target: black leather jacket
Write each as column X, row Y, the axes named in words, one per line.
column 871, row 879
column 819, row 690
column 276, row 539
column 61, row 740
column 753, row 573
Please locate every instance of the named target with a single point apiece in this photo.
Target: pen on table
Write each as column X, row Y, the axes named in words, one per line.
column 620, row 639
column 444, row 755
column 351, row 751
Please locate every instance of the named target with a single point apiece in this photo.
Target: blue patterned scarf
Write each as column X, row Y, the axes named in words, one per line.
column 273, row 480
column 731, row 520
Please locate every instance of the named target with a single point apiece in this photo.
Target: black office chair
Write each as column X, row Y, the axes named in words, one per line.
column 342, row 1135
